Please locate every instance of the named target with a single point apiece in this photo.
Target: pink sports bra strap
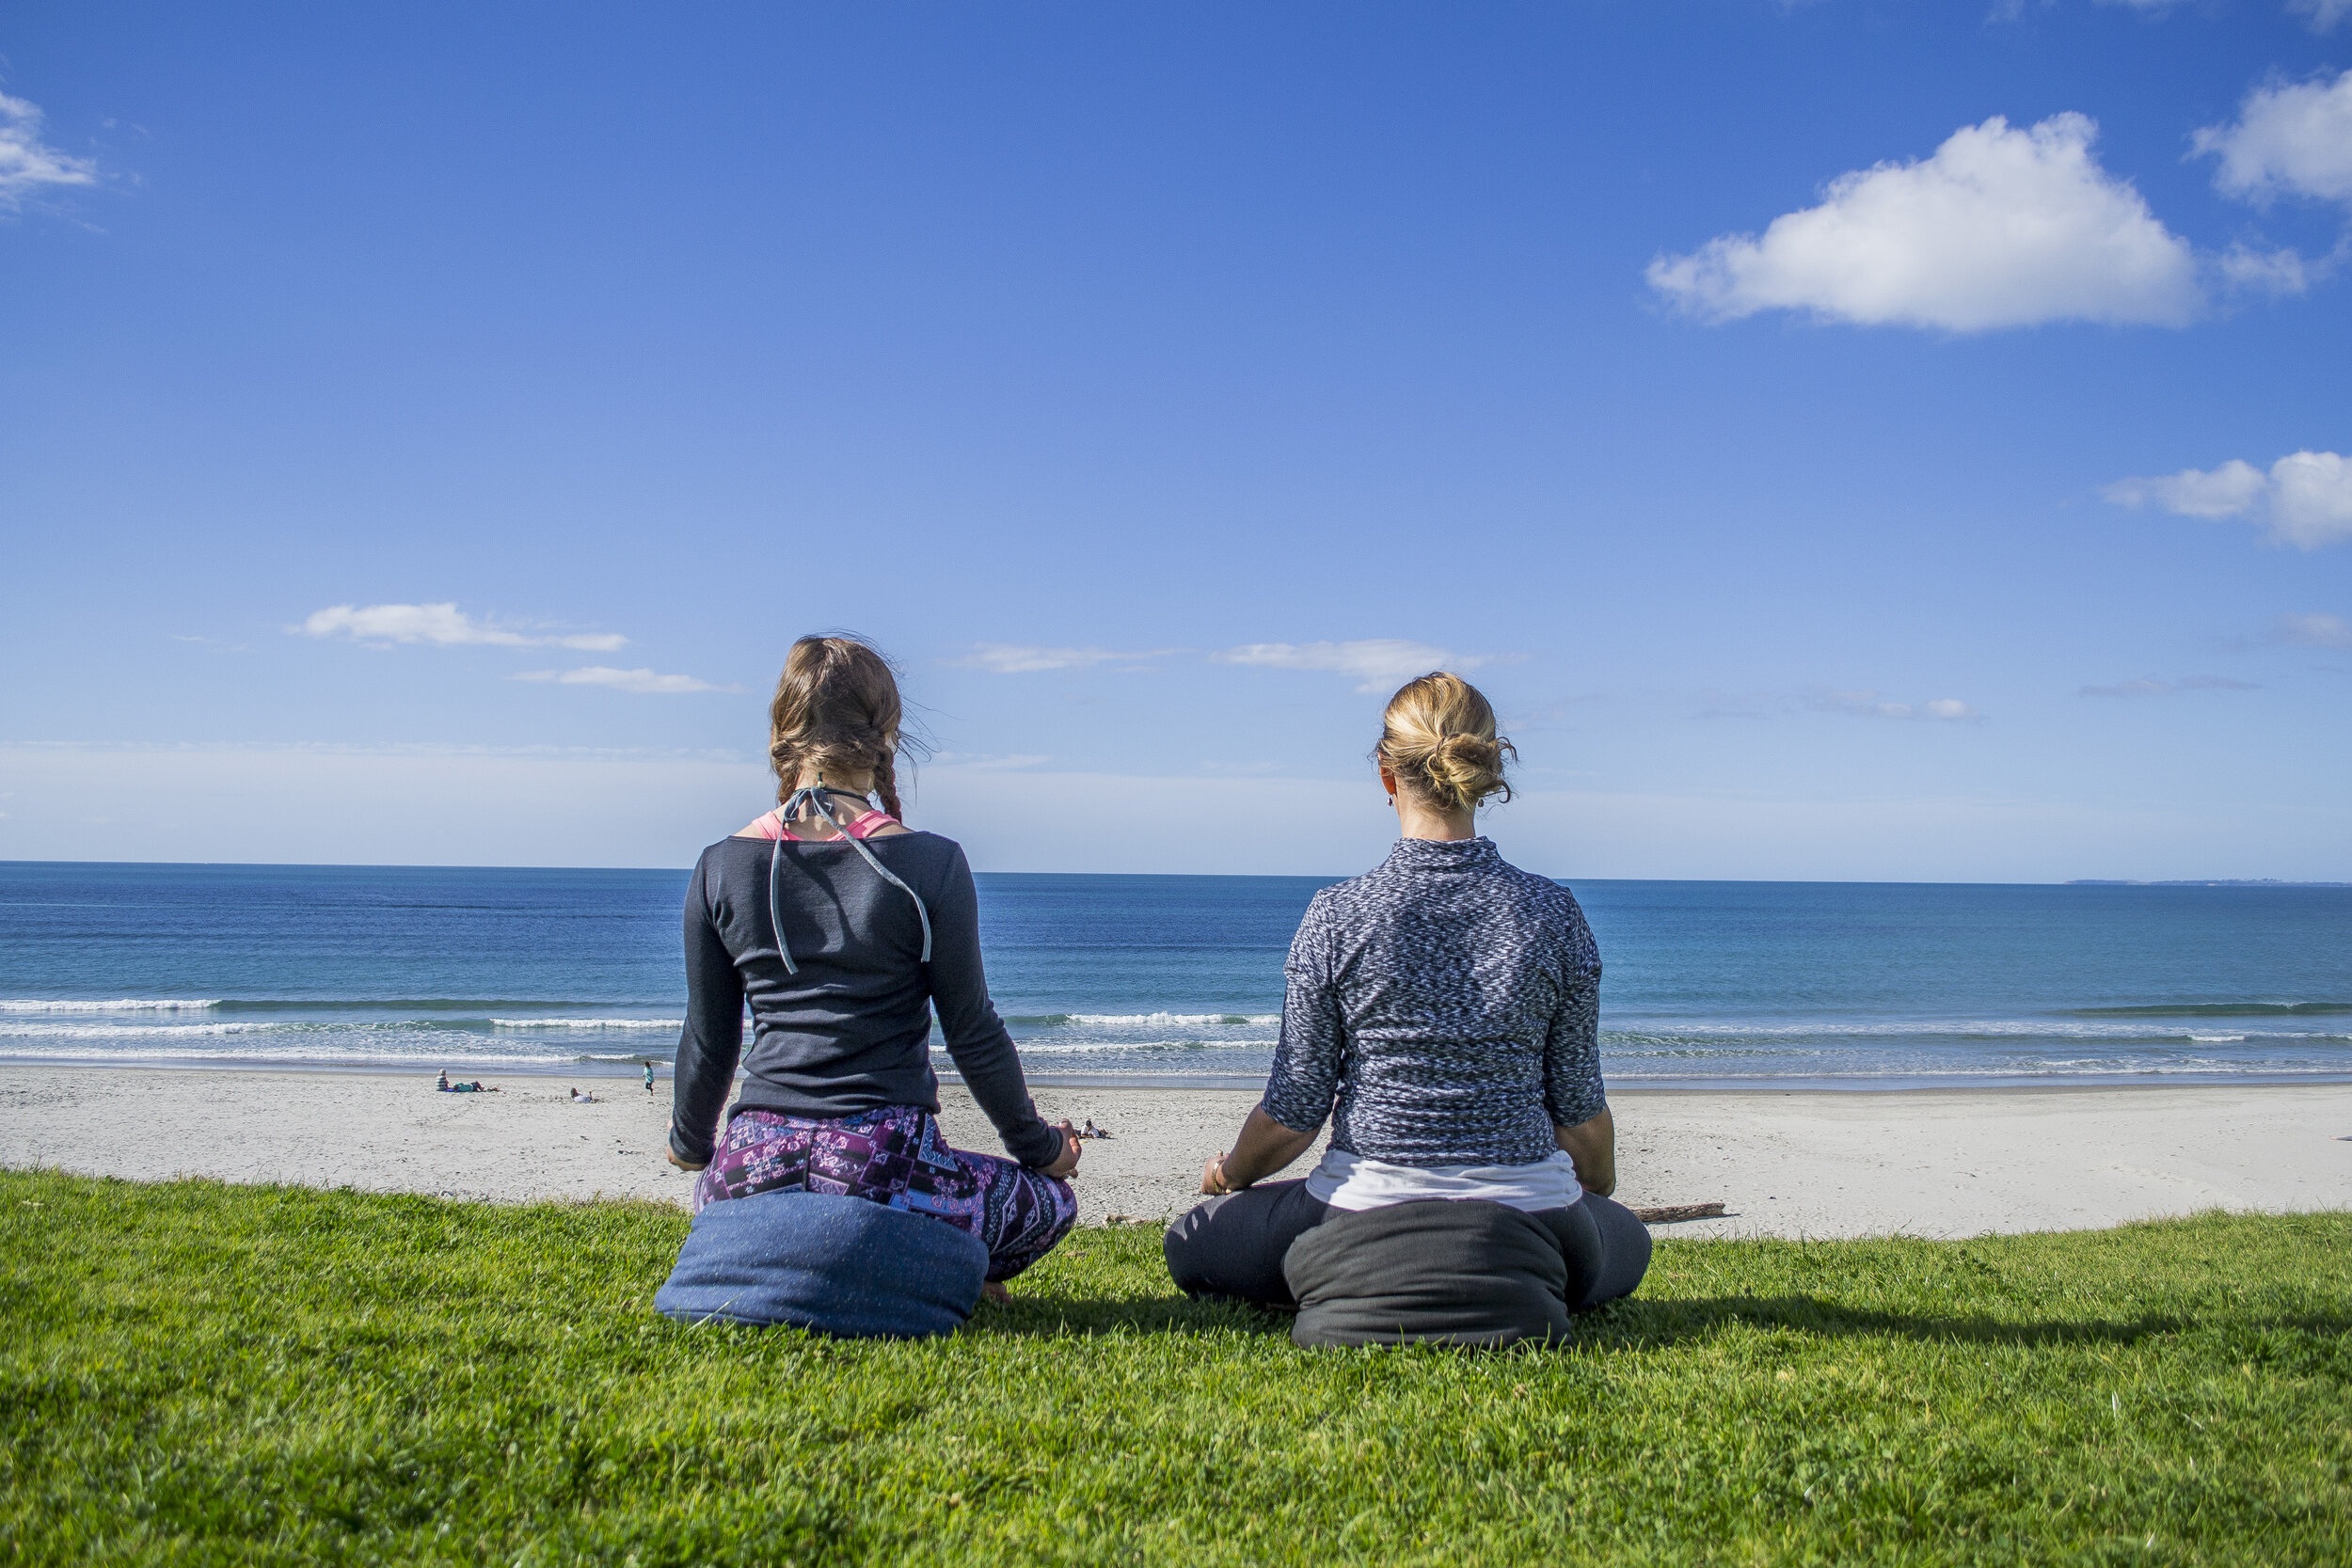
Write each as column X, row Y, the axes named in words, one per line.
column 864, row 825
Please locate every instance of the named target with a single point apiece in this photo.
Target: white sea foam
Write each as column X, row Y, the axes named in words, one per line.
column 1130, row 1048
column 2000, row 1028
column 123, row 1005
column 132, row 1031
column 589, row 1022
column 295, row 1055
column 1166, row 1020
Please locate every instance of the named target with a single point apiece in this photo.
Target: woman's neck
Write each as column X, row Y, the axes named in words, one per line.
column 859, row 784
column 1415, row 820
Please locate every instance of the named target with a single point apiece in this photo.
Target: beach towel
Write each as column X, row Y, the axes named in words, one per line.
column 1445, row 1271
column 843, row 1266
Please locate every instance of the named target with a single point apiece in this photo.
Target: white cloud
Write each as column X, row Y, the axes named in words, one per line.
column 1999, row 227
column 2289, row 138
column 989, row 760
column 1377, row 664
column 2306, row 497
column 1876, row 704
column 441, row 624
column 2325, row 14
column 643, row 682
column 2235, row 487
column 2314, row 630
column 2151, row 686
column 2270, row 272
column 1021, row 658
column 27, row 163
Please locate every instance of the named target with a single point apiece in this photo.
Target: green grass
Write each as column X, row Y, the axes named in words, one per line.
column 194, row 1373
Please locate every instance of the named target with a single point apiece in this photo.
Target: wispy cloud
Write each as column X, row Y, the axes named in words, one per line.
column 1023, row 659
column 1377, row 663
column 1548, row 714
column 2152, row 686
column 440, row 625
column 1999, row 227
column 988, row 761
column 29, row 165
column 644, row 683
column 2314, row 630
column 1877, row 704
column 2325, row 14
column 2305, row 499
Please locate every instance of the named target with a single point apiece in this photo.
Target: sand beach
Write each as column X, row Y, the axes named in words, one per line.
column 1934, row 1163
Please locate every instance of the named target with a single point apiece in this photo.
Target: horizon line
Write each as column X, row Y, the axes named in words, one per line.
column 1217, row 876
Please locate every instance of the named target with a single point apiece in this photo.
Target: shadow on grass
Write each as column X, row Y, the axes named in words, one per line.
column 1697, row 1320
column 1639, row 1324
column 1051, row 1318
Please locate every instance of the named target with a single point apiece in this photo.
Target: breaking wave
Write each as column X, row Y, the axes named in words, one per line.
column 122, row 1004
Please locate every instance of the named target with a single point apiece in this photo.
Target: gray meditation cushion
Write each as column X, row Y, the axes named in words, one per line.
column 1443, row 1271
column 843, row 1266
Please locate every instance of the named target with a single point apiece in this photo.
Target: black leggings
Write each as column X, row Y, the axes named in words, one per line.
column 1233, row 1245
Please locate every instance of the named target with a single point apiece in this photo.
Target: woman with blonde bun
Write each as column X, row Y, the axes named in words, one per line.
column 1441, row 1011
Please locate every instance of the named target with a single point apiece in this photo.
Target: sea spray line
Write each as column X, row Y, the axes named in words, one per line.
column 130, row 1031
column 1139, row 1021
column 1899, row 1028
column 417, row 1060
column 2215, row 1009
column 120, row 1005
column 443, row 1029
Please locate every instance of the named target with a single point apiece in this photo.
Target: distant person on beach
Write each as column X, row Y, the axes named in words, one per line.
column 843, row 929
column 649, row 1078
column 1442, row 1011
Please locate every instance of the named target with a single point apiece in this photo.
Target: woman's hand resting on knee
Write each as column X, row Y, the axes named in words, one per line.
column 1264, row 1147
column 1067, row 1161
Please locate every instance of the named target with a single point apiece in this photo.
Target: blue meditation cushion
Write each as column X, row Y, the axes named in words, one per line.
column 843, row 1266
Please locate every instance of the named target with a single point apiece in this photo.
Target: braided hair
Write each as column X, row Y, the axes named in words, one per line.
column 836, row 708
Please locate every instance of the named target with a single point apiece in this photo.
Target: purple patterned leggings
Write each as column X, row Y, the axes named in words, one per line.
column 894, row 1156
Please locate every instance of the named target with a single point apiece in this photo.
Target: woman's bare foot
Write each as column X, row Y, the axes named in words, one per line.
column 996, row 1293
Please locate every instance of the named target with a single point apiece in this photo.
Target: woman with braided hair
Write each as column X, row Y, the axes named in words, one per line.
column 1441, row 1014
column 843, row 928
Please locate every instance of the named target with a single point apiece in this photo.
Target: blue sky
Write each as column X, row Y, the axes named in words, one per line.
column 1848, row 440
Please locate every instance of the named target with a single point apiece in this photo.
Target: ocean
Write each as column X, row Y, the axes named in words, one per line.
column 1179, row 980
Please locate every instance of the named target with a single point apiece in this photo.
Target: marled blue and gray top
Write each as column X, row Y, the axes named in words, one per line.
column 1444, row 1009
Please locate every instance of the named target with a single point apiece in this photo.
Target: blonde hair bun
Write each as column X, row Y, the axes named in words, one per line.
column 1439, row 739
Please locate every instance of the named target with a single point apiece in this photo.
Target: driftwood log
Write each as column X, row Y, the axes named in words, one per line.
column 1674, row 1213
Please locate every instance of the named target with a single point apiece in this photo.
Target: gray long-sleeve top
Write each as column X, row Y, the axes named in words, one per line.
column 850, row 1031
column 1444, row 1009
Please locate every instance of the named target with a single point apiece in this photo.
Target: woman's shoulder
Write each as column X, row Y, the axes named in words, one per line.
column 1557, row 910
column 917, row 840
column 1546, row 893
